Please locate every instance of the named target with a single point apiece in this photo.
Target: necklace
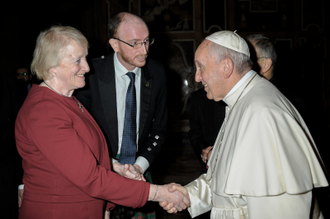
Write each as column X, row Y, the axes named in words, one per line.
column 73, row 98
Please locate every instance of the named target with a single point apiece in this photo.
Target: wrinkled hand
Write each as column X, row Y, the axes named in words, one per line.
column 127, row 170
column 176, row 199
column 20, row 197
column 206, row 153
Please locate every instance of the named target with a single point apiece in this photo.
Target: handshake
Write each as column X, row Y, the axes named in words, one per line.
column 171, row 197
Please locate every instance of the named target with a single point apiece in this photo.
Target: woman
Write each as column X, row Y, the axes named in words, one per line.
column 67, row 172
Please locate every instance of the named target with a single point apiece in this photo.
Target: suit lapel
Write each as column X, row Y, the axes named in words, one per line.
column 145, row 98
column 107, row 88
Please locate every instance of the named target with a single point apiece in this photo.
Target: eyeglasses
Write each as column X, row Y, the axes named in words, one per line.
column 136, row 45
column 262, row 57
column 21, row 74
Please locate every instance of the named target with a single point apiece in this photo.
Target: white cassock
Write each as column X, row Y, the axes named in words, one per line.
column 264, row 163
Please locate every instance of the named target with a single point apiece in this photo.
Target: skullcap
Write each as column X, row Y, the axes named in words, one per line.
column 230, row 40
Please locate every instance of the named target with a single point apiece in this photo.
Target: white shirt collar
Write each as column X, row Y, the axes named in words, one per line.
column 120, row 70
column 239, row 83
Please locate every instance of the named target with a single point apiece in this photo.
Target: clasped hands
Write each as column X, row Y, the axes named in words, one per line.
column 171, row 197
column 129, row 171
column 175, row 198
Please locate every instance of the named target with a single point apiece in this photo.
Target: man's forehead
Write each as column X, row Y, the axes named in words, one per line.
column 131, row 31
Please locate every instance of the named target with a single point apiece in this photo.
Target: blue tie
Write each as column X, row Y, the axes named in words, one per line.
column 128, row 147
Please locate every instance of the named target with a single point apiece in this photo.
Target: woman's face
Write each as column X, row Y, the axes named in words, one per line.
column 70, row 74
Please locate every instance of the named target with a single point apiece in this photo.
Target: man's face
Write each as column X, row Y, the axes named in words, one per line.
column 23, row 75
column 208, row 72
column 131, row 32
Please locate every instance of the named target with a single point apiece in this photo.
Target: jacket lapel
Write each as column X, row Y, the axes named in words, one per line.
column 145, row 98
column 107, row 88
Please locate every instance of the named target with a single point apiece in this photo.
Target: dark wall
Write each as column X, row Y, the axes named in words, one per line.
column 298, row 29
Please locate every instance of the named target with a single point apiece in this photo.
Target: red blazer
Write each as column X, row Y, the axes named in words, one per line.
column 65, row 157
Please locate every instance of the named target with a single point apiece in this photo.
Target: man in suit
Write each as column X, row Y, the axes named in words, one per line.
column 105, row 95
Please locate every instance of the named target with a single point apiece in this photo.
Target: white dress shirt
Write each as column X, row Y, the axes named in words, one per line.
column 122, row 83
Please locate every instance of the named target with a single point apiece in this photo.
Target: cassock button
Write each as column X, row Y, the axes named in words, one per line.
column 149, row 149
column 154, row 144
column 156, row 136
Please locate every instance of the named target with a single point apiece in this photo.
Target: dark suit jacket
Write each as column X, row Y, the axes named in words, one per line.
column 99, row 97
column 205, row 118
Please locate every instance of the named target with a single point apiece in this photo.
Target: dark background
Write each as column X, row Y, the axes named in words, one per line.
column 299, row 30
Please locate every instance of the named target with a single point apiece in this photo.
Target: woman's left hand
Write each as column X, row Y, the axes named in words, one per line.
column 128, row 170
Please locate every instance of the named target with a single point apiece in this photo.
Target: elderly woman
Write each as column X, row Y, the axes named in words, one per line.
column 67, row 172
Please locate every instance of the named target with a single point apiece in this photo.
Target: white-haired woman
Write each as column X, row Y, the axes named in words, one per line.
column 67, row 172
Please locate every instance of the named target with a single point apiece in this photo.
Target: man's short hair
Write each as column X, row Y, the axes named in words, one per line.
column 114, row 23
column 265, row 47
column 240, row 60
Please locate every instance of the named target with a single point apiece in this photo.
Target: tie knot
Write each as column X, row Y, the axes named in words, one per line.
column 131, row 75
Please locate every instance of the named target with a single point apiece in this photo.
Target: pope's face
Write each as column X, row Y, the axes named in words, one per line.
column 70, row 74
column 131, row 32
column 208, row 72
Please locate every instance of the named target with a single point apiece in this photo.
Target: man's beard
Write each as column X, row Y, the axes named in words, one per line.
column 132, row 61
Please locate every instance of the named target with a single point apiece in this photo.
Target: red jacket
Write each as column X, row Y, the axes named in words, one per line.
column 65, row 156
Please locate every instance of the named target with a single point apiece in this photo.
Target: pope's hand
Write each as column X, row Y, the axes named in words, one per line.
column 175, row 198
column 170, row 207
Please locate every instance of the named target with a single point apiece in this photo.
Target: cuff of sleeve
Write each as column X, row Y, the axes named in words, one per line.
column 21, row 186
column 113, row 160
column 143, row 163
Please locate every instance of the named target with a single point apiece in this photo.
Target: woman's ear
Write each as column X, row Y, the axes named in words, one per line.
column 52, row 72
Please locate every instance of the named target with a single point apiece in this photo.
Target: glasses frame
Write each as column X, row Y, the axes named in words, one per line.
column 22, row 74
column 151, row 41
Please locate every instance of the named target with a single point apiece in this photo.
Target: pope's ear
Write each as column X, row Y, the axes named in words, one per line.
column 114, row 44
column 227, row 66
